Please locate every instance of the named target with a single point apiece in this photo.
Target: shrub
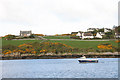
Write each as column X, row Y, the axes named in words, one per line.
column 117, row 41
column 9, row 47
column 32, row 36
column 107, row 47
column 9, row 37
column 7, row 52
column 44, row 47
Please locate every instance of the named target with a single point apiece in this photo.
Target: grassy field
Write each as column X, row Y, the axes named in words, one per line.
column 84, row 44
column 18, row 42
column 0, row 43
column 72, row 43
column 57, row 37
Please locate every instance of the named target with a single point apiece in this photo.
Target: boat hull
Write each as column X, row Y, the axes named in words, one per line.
column 88, row 60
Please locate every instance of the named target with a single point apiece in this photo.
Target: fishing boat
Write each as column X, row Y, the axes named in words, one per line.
column 84, row 60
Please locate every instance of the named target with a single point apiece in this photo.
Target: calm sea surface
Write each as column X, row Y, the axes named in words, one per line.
column 59, row 68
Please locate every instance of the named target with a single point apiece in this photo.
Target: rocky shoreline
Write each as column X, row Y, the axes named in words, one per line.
column 60, row 56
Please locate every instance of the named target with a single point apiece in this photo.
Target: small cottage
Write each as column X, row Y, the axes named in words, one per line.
column 25, row 33
column 98, row 35
column 87, row 35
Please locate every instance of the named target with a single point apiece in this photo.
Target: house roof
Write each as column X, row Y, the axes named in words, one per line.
column 25, row 32
column 88, row 34
column 74, row 33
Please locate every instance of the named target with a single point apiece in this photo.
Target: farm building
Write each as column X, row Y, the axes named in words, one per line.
column 25, row 33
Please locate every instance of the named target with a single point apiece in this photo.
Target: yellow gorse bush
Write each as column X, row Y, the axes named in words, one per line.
column 44, row 47
column 34, row 52
column 7, row 52
column 25, row 45
column 117, row 41
column 105, row 46
column 43, row 51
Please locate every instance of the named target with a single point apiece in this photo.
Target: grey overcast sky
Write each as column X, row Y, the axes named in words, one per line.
column 56, row 16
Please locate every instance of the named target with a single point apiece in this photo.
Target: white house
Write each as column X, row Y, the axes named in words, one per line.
column 78, row 34
column 107, row 30
column 86, row 35
column 102, row 33
column 117, row 35
column 89, row 35
column 98, row 35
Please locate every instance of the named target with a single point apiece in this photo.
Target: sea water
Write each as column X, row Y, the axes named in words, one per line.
column 59, row 68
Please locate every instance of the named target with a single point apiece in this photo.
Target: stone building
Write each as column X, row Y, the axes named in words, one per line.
column 25, row 33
